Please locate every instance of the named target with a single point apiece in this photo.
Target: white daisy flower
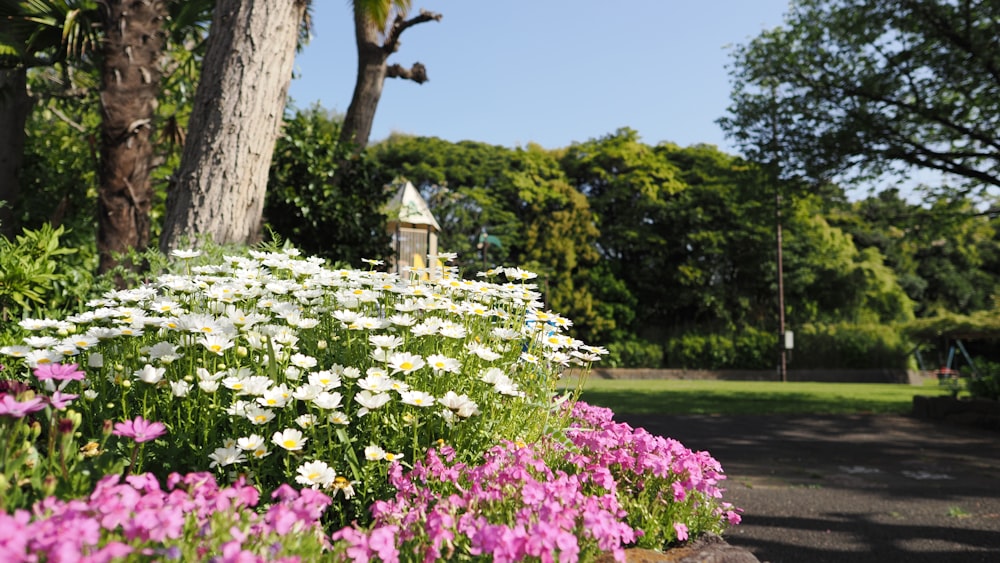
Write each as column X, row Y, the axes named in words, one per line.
column 216, row 343
column 305, row 420
column 315, row 474
column 185, row 254
column 416, row 398
column 250, row 443
column 208, row 385
column 150, row 374
column 258, row 415
column 385, row 340
column 290, row 439
column 370, row 402
column 461, row 404
column 180, row 388
column 328, row 401
column 440, row 363
column 222, row 457
column 36, row 358
column 405, row 362
column 374, row 453
column 338, row 417
column 325, row 379
column 303, row 361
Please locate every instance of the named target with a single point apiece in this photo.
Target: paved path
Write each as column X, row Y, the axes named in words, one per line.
column 852, row 489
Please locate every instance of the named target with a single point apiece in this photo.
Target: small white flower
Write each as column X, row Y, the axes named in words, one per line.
column 440, row 363
column 306, row 392
column 385, row 341
column 303, row 361
column 250, row 443
column 328, row 401
column 315, row 474
column 461, row 404
column 222, row 457
column 374, row 453
column 338, row 417
column 258, row 415
column 95, row 360
column 149, row 374
column 305, row 420
column 208, row 385
column 405, row 362
column 416, row 398
column 371, row 401
column 185, row 254
column 375, row 383
column 290, row 439
column 275, row 397
column 216, row 343
column 325, row 379
column 180, row 388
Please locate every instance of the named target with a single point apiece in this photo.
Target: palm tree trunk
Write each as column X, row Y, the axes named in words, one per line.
column 14, row 107
column 372, row 63
column 130, row 82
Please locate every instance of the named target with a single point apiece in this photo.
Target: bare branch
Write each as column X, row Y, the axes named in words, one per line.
column 400, row 25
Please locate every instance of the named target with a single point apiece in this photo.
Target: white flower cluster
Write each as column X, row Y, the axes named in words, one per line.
column 274, row 338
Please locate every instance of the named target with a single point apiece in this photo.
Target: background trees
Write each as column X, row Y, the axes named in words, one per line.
column 857, row 88
column 664, row 253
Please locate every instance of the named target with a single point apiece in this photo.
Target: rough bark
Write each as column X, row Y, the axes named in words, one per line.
column 373, row 54
column 14, row 107
column 130, row 82
column 218, row 192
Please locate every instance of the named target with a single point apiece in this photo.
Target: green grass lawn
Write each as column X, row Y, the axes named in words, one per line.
column 648, row 396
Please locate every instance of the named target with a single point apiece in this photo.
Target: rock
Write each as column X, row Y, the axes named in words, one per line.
column 706, row 549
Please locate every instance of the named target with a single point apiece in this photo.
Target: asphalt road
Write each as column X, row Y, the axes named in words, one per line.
column 852, row 489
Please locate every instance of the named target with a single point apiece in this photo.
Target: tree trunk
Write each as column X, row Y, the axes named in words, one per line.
column 372, row 63
column 14, row 107
column 219, row 190
column 130, row 82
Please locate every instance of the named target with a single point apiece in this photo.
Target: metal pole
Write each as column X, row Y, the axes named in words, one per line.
column 781, row 292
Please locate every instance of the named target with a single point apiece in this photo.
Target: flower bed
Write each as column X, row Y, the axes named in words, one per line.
column 419, row 418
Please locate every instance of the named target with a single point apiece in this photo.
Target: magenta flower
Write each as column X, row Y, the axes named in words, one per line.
column 140, row 429
column 10, row 406
column 60, row 372
column 60, row 400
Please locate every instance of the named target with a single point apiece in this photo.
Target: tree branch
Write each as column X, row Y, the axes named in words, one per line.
column 400, row 25
column 416, row 73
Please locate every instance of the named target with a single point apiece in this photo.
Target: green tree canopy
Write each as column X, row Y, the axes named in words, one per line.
column 522, row 197
column 856, row 88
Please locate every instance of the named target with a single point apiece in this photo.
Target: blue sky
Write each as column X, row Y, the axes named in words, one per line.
column 552, row 72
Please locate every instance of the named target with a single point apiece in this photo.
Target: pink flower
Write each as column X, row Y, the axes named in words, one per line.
column 682, row 531
column 140, row 429
column 60, row 372
column 10, row 406
column 60, row 400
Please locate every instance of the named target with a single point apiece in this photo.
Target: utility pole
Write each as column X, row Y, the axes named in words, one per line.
column 781, row 291
column 776, row 178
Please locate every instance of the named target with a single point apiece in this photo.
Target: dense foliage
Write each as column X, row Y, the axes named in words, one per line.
column 856, row 88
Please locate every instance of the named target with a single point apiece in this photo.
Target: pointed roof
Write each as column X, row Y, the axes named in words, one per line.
column 407, row 206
